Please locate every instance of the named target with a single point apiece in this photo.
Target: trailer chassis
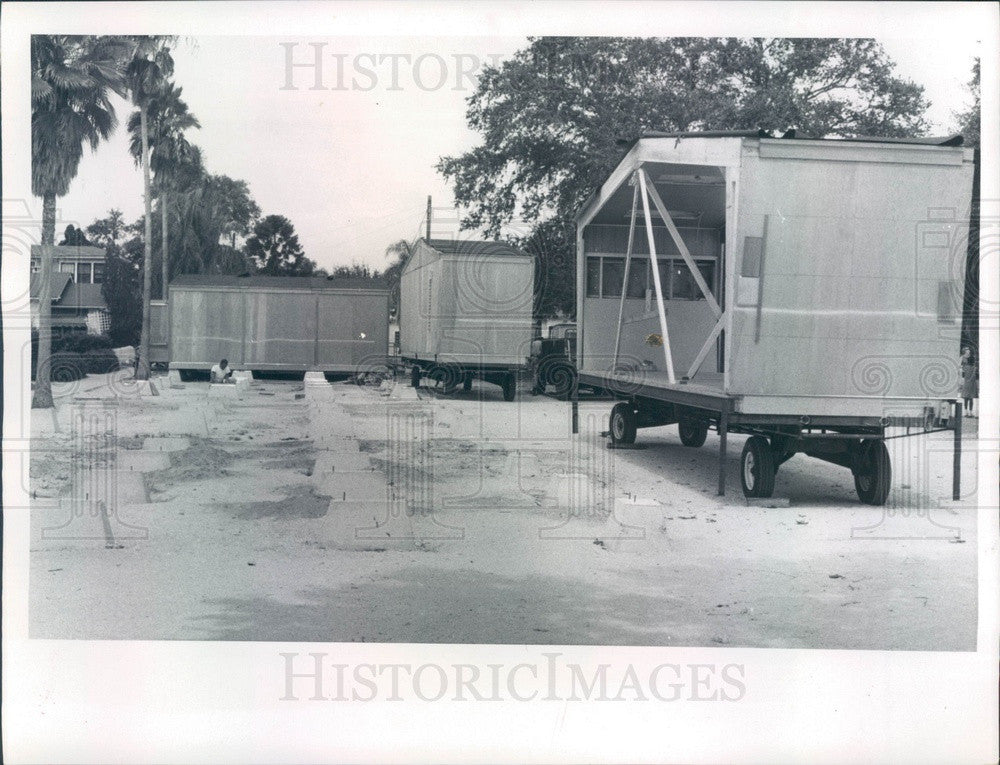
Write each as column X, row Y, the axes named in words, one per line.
column 853, row 442
column 449, row 375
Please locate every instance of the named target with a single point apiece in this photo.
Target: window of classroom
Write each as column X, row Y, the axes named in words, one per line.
column 605, row 276
column 612, row 277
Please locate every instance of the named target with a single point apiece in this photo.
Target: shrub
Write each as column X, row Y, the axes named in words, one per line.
column 67, row 366
column 100, row 361
column 81, row 342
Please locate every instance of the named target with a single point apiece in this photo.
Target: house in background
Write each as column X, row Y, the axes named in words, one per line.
column 77, row 302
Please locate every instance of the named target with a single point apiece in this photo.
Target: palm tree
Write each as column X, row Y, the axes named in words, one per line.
column 146, row 73
column 170, row 151
column 397, row 253
column 72, row 79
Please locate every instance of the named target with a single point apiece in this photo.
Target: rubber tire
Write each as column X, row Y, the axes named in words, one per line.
column 509, row 386
column 875, row 480
column 446, row 378
column 693, row 432
column 757, row 460
column 563, row 378
column 415, row 376
column 622, row 424
column 467, row 383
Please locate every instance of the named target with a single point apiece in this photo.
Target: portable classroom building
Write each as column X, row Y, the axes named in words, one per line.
column 466, row 311
column 277, row 323
column 796, row 281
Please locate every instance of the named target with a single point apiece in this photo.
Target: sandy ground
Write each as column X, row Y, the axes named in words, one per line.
column 335, row 512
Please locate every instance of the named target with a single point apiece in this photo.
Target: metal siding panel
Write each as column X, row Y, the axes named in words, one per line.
column 203, row 329
column 850, row 287
column 343, row 319
column 282, row 328
column 468, row 308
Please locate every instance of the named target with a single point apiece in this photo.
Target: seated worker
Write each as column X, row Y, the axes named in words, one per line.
column 222, row 373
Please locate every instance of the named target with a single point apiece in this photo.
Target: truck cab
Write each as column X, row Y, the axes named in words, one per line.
column 553, row 361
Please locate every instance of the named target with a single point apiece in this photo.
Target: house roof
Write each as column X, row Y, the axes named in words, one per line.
column 59, row 282
column 474, row 247
column 70, row 251
column 279, row 282
column 82, row 296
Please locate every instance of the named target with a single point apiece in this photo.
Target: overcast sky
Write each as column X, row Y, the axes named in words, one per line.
column 352, row 165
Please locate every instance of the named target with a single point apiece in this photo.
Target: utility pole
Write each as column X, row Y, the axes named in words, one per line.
column 428, row 236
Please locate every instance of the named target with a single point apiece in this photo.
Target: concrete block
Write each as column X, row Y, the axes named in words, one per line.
column 174, row 379
column 315, row 378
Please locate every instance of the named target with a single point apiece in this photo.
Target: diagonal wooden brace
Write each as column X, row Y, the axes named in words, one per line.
column 660, row 308
column 712, row 336
column 681, row 246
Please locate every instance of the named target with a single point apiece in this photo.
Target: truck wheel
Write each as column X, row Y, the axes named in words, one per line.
column 757, row 468
column 873, row 475
column 509, row 386
column 693, row 432
column 415, row 376
column 622, row 424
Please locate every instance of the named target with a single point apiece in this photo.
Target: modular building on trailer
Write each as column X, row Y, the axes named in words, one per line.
column 277, row 323
column 466, row 312
column 805, row 292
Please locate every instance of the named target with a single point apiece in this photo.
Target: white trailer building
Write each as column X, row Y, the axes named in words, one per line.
column 466, row 312
column 805, row 292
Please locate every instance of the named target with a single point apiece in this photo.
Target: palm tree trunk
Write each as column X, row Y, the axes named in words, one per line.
column 166, row 228
column 142, row 370
column 42, row 396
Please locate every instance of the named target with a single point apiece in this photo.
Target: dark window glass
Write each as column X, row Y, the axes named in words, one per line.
column 98, row 273
column 707, row 268
column 612, row 277
column 637, row 278
column 684, row 286
column 83, row 273
column 593, row 277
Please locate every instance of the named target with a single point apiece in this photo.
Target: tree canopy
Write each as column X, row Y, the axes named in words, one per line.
column 552, row 117
column 275, row 249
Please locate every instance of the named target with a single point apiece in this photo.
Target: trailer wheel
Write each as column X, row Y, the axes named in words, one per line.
column 757, row 468
column 414, row 376
column 447, row 376
column 693, row 432
column 467, row 383
column 509, row 386
column 622, row 424
column 873, row 475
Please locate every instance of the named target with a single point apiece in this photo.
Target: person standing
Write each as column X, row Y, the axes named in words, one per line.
column 970, row 380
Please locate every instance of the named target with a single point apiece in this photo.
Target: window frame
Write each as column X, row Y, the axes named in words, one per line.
column 666, row 263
